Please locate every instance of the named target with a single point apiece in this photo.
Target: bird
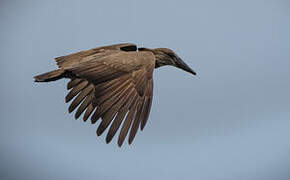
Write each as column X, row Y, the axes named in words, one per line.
column 114, row 84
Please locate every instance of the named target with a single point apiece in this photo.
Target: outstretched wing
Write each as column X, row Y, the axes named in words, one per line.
column 82, row 56
column 116, row 88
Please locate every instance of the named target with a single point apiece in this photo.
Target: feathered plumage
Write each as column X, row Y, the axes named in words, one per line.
column 113, row 83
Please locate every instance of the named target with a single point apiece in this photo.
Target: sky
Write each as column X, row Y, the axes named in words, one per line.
column 231, row 121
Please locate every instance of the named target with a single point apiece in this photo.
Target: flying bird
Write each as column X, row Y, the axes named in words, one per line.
column 113, row 83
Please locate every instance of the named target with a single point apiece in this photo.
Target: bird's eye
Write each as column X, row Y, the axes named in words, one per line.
column 171, row 55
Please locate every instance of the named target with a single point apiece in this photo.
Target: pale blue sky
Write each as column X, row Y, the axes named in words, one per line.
column 229, row 122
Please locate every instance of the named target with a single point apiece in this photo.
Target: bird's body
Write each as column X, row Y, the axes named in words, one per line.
column 113, row 83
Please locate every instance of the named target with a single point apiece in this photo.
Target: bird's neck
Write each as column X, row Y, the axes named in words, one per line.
column 162, row 60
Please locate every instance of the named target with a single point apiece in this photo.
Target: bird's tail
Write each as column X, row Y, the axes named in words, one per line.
column 50, row 76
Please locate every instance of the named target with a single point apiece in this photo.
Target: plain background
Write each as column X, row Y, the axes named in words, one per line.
column 229, row 122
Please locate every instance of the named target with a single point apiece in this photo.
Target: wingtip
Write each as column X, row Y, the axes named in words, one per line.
column 70, row 109
column 119, row 145
column 130, row 140
column 67, row 100
column 142, row 126
column 107, row 140
column 120, row 142
column 99, row 132
column 77, row 115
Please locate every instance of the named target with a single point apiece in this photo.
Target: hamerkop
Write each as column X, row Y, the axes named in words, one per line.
column 113, row 83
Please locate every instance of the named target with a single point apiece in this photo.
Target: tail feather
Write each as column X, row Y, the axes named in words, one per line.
column 50, row 76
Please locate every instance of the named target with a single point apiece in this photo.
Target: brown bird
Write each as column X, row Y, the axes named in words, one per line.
column 113, row 83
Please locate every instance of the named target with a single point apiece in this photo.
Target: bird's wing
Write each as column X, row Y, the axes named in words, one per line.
column 79, row 57
column 117, row 87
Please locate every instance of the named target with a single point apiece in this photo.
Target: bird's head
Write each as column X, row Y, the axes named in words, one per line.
column 165, row 56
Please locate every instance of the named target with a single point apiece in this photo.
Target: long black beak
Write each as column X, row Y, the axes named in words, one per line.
column 180, row 64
